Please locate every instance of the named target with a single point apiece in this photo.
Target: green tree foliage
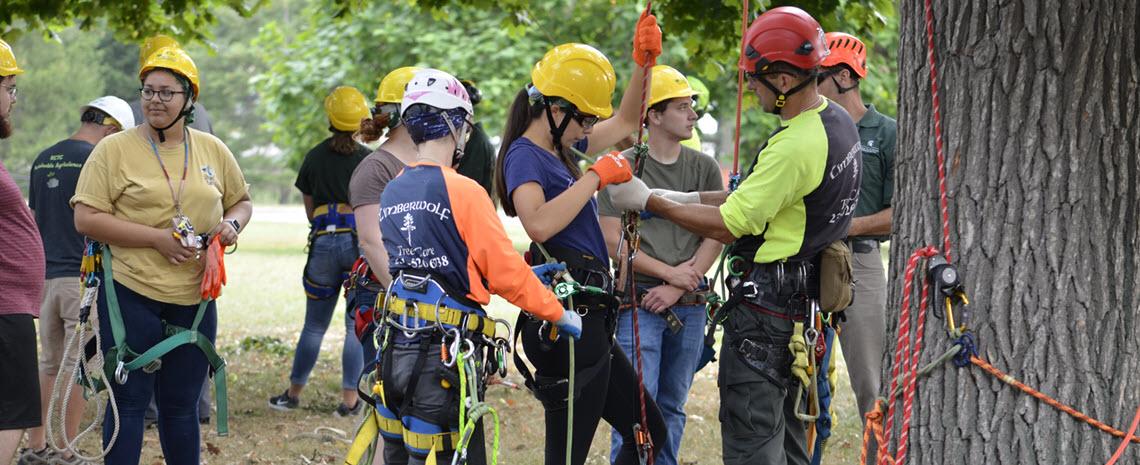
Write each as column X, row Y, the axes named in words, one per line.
column 55, row 84
column 131, row 21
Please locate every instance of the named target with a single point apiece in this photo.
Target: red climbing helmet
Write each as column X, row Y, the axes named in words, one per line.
column 786, row 34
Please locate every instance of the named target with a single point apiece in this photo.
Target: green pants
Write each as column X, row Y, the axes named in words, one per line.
column 757, row 417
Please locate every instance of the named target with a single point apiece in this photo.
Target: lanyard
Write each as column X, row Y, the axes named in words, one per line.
column 185, row 167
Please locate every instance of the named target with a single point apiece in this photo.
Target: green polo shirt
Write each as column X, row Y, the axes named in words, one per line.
column 877, row 134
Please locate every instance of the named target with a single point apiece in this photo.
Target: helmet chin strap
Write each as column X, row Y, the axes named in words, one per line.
column 782, row 97
column 185, row 111
column 556, row 131
column 459, row 148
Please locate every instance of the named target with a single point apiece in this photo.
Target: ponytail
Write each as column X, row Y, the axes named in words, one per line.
column 519, row 117
column 373, row 127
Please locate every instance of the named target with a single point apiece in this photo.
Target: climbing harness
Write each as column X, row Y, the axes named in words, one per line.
column 549, row 390
column 120, row 360
column 332, row 218
column 416, row 311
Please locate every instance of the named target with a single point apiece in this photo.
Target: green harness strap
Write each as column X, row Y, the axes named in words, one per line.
column 118, row 368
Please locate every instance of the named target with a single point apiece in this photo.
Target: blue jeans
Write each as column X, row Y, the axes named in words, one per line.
column 670, row 360
column 175, row 386
column 331, row 256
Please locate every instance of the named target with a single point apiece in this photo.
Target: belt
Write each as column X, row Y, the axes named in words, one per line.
column 862, row 245
column 689, row 298
column 446, row 315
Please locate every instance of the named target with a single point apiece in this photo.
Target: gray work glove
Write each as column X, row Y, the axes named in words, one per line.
column 630, row 195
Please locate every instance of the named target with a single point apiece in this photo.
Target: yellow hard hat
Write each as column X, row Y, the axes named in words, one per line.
column 8, row 66
column 176, row 60
column 668, row 83
column 346, row 106
column 580, row 74
column 391, row 89
column 153, row 44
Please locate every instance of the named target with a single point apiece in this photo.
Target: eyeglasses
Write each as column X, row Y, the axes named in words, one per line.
column 11, row 91
column 164, row 95
column 585, row 120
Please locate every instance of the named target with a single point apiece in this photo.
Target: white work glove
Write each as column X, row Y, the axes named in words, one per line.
column 629, row 195
column 570, row 323
column 679, row 197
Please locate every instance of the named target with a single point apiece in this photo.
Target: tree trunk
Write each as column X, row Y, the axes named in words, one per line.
column 1039, row 109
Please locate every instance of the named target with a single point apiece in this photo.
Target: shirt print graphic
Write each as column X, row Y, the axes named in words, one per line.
column 412, row 216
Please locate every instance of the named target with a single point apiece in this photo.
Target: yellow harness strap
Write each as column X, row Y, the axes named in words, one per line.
column 447, row 316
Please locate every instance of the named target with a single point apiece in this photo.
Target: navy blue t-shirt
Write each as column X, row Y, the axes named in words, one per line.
column 527, row 162
column 53, row 178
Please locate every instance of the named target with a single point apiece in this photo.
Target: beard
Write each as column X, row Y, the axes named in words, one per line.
column 5, row 127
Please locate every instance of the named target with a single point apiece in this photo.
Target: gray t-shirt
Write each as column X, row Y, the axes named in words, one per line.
column 661, row 239
column 371, row 176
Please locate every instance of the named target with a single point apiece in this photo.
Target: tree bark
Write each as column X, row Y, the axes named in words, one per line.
column 1039, row 110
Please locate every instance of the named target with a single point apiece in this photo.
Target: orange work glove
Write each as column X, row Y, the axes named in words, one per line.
column 612, row 168
column 646, row 40
column 214, row 274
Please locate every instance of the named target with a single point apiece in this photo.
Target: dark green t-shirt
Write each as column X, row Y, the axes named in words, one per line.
column 661, row 239
column 877, row 134
column 324, row 174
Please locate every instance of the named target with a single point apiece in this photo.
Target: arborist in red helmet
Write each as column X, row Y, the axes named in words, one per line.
column 783, row 221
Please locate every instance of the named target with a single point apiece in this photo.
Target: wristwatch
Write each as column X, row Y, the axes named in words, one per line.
column 234, row 223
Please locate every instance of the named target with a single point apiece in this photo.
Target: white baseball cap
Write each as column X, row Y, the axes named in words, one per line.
column 114, row 107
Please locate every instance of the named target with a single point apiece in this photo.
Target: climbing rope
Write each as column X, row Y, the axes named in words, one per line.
column 734, row 176
column 1127, row 439
column 631, row 237
column 472, row 410
column 89, row 373
column 936, row 109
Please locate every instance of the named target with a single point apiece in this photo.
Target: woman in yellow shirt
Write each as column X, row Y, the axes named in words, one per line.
column 148, row 192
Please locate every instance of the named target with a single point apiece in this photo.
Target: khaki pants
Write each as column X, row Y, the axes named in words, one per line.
column 59, row 317
column 863, row 337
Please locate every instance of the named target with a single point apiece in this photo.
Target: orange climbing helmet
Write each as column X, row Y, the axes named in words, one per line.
column 848, row 50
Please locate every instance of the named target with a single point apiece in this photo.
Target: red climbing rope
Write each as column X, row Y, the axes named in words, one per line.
column 739, row 90
column 1127, row 439
column 936, row 110
column 633, row 239
column 905, row 355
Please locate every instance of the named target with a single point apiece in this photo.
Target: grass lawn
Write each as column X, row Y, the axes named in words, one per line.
column 261, row 313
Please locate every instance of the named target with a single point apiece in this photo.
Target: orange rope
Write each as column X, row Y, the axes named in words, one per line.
column 1010, row 380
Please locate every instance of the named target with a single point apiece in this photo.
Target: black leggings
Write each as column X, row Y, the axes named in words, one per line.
column 612, row 394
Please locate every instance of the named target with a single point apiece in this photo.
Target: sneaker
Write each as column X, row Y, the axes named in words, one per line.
column 283, row 402
column 44, row 456
column 343, row 410
column 73, row 460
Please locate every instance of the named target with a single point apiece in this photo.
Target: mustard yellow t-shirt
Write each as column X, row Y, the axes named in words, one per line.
column 123, row 177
